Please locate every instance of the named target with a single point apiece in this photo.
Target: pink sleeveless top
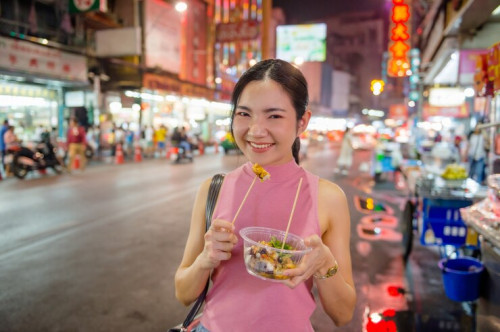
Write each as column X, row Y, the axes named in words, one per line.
column 238, row 301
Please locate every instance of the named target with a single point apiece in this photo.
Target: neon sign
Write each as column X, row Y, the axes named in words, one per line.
column 398, row 64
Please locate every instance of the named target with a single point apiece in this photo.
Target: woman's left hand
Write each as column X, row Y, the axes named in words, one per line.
column 319, row 257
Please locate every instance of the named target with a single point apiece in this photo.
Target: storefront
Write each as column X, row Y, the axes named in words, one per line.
column 173, row 103
column 28, row 107
column 33, row 79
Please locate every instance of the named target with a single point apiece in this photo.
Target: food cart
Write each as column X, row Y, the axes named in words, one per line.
column 433, row 210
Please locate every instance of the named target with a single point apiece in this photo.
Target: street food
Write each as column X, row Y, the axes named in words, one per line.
column 261, row 172
column 268, row 262
column 454, row 172
column 265, row 254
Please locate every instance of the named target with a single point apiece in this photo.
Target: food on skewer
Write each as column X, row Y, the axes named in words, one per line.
column 263, row 175
column 261, row 172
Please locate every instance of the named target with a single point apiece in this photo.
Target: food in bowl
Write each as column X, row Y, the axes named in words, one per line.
column 265, row 255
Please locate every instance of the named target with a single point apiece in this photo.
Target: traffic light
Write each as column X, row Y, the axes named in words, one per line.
column 377, row 86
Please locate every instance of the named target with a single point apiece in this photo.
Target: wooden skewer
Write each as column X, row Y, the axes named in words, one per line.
column 291, row 214
column 244, row 199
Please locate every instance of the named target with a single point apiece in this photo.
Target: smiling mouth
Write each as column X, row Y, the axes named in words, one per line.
column 260, row 146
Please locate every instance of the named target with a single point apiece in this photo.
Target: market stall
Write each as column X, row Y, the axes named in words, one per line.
column 433, row 207
column 484, row 218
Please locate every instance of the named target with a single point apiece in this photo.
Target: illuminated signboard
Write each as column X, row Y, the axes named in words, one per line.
column 494, row 66
column 399, row 44
column 305, row 42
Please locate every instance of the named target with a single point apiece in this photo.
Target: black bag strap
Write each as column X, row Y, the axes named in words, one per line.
column 213, row 193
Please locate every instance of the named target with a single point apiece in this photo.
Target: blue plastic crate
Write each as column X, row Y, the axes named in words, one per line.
column 443, row 217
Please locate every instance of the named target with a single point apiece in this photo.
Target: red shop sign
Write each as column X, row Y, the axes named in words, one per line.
column 494, row 66
column 398, row 63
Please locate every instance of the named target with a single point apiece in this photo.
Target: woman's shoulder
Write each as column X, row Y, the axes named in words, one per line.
column 329, row 190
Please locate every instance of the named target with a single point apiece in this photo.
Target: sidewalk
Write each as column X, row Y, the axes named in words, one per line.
column 392, row 295
column 429, row 307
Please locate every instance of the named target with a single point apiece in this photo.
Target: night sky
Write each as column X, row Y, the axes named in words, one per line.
column 302, row 11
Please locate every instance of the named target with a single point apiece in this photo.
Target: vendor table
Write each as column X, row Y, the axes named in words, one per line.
column 433, row 210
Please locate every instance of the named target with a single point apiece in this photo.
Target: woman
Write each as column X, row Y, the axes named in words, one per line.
column 344, row 161
column 269, row 114
column 476, row 155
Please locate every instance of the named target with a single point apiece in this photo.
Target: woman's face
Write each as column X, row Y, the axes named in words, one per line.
column 265, row 124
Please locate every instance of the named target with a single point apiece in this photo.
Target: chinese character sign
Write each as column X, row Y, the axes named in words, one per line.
column 398, row 64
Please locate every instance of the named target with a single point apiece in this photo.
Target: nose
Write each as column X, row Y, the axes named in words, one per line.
column 257, row 128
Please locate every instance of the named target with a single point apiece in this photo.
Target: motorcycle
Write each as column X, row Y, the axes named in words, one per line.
column 24, row 160
column 180, row 154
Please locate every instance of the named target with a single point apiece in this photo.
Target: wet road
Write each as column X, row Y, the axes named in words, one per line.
column 97, row 251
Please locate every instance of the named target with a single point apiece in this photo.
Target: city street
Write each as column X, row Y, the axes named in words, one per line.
column 97, row 251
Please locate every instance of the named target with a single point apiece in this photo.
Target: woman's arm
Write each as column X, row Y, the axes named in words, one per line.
column 337, row 293
column 203, row 251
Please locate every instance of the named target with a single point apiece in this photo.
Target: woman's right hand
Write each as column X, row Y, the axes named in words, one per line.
column 219, row 242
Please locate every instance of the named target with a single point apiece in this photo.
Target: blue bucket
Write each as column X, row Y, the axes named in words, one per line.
column 461, row 278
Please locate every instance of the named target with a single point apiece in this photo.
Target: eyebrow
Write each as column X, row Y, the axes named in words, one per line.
column 267, row 110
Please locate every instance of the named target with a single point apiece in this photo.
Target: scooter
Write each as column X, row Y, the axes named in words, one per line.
column 44, row 156
column 182, row 155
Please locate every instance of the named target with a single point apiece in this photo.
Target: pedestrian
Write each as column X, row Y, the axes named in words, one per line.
column 344, row 161
column 148, row 137
column 119, row 139
column 3, row 130
column 476, row 154
column 269, row 112
column 160, row 137
column 76, row 142
column 92, row 139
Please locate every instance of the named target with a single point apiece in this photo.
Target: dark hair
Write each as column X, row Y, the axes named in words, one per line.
column 286, row 75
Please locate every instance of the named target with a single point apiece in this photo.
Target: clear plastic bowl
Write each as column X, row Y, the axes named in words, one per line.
column 265, row 261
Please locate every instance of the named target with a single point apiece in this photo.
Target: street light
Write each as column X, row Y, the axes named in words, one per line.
column 377, row 86
column 181, row 6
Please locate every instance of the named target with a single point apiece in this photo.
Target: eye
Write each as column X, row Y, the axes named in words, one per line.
column 275, row 116
column 242, row 113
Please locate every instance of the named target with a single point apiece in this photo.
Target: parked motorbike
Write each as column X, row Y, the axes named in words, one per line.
column 42, row 157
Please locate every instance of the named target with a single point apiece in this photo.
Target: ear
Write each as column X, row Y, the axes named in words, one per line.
column 303, row 122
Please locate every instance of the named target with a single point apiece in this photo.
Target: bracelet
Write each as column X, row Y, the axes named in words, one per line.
column 330, row 273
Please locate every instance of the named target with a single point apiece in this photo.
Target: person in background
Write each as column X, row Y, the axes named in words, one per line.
column 149, row 137
column 119, row 139
column 129, row 143
column 39, row 131
column 92, row 139
column 269, row 112
column 13, row 145
column 476, row 155
column 344, row 161
column 76, row 141
column 161, row 137
column 438, row 138
column 3, row 130
column 457, row 141
column 181, row 140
